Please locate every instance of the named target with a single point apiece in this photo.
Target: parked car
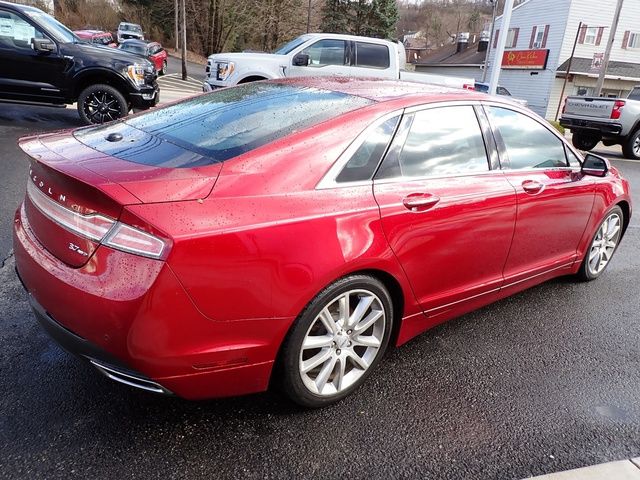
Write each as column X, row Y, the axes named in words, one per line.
column 500, row 90
column 321, row 54
column 96, row 36
column 206, row 250
column 614, row 121
column 151, row 50
column 43, row 62
column 128, row 30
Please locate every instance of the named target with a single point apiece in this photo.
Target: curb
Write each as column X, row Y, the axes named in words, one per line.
column 622, row 470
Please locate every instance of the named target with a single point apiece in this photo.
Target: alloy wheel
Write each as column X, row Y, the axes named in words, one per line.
column 604, row 243
column 636, row 146
column 101, row 106
column 342, row 342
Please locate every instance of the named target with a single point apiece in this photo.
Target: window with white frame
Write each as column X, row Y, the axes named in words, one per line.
column 539, row 36
column 634, row 40
column 512, row 38
column 591, row 35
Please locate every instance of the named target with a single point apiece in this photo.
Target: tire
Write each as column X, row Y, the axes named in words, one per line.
column 324, row 359
column 585, row 141
column 603, row 245
column 101, row 103
column 631, row 146
column 163, row 70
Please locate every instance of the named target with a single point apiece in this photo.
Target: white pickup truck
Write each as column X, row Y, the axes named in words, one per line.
column 321, row 54
column 610, row 120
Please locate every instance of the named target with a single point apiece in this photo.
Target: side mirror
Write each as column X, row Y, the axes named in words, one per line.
column 301, row 60
column 595, row 165
column 43, row 45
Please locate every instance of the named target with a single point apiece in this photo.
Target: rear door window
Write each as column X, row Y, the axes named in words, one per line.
column 440, row 142
column 371, row 55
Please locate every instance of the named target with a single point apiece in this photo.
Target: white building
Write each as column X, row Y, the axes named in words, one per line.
column 539, row 43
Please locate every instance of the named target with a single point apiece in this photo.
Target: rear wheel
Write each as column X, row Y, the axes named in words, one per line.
column 101, row 103
column 603, row 246
column 163, row 70
column 337, row 341
column 585, row 141
column 631, row 146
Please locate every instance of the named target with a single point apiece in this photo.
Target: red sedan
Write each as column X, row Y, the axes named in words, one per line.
column 288, row 232
column 96, row 36
column 151, row 50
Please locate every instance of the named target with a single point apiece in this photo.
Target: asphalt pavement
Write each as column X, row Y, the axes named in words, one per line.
column 543, row 381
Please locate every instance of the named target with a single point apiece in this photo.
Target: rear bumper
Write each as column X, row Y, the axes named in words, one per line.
column 107, row 364
column 131, row 318
column 604, row 128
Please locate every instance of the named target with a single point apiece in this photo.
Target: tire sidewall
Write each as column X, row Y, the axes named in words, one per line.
column 82, row 98
column 291, row 379
column 584, row 272
column 628, row 146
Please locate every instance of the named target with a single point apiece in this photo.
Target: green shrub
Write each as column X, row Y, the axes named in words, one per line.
column 558, row 127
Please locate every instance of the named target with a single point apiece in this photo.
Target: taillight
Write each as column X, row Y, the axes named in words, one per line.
column 564, row 106
column 92, row 226
column 617, row 109
column 131, row 240
column 468, row 86
column 99, row 228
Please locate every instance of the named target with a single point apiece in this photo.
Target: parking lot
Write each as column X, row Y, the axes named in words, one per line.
column 546, row 380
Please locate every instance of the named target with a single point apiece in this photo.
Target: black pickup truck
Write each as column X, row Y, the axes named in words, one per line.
column 42, row 62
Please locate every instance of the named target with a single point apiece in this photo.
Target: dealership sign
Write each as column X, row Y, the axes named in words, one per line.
column 525, row 59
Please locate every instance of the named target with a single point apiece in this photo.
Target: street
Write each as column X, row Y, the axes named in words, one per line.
column 543, row 381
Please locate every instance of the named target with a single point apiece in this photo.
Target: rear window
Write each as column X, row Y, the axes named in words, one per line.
column 229, row 122
column 635, row 94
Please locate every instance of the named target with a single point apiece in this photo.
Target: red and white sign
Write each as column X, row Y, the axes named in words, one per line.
column 525, row 59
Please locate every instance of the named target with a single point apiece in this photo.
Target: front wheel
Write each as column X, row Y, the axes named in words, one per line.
column 631, row 146
column 101, row 103
column 337, row 341
column 585, row 141
column 603, row 246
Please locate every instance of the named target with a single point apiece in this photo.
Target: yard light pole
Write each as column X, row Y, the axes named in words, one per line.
column 566, row 75
column 502, row 42
column 309, row 17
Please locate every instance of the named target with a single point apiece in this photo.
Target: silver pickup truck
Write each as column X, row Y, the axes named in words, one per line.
column 614, row 121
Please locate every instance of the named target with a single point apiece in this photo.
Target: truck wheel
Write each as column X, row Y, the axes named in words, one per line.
column 101, row 103
column 585, row 141
column 631, row 146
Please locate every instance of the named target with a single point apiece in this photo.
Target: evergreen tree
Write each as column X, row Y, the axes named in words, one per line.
column 382, row 19
column 335, row 16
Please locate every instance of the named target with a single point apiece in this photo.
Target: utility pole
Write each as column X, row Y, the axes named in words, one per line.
column 493, row 26
column 184, row 41
column 502, row 41
column 607, row 52
column 309, row 17
column 176, row 8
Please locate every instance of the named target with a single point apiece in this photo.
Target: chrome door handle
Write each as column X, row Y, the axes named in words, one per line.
column 419, row 202
column 532, row 186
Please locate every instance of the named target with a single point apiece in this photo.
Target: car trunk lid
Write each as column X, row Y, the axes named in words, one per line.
column 75, row 194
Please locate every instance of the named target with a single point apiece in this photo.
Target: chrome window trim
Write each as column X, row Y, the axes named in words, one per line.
column 329, row 179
